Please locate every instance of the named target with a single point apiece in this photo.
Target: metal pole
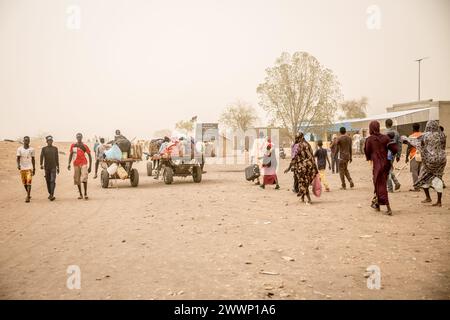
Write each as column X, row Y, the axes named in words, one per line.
column 419, row 78
column 419, row 61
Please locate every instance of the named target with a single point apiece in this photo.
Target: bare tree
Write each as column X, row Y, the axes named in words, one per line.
column 298, row 92
column 354, row 109
column 162, row 133
column 186, row 126
column 239, row 116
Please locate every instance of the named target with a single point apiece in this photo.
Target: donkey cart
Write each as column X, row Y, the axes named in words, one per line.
column 176, row 168
column 124, row 171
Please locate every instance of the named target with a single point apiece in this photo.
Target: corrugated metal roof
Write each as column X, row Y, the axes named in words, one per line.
column 388, row 115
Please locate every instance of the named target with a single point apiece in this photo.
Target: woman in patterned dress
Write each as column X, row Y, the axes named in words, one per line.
column 432, row 145
column 305, row 168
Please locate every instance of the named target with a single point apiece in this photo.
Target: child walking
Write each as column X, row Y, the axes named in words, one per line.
column 322, row 159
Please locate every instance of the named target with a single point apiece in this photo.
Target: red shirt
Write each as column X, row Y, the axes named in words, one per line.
column 80, row 158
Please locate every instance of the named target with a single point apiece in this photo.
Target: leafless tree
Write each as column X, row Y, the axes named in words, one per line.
column 354, row 109
column 298, row 92
column 162, row 133
column 186, row 126
column 239, row 116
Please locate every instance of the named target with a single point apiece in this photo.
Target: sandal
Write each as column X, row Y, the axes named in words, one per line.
column 437, row 204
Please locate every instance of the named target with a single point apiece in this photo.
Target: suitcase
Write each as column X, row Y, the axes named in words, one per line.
column 252, row 172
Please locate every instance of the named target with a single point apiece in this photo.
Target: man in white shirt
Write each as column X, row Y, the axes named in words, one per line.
column 26, row 165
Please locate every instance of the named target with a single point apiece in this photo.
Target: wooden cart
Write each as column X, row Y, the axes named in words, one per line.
column 127, row 164
column 170, row 168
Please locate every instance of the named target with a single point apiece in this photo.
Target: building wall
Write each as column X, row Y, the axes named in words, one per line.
column 444, row 118
column 413, row 105
column 443, row 108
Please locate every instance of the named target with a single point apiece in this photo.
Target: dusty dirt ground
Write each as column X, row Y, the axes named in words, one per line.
column 213, row 240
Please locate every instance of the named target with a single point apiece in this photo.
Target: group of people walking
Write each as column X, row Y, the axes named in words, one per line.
column 49, row 162
column 303, row 163
column 425, row 153
column 305, row 168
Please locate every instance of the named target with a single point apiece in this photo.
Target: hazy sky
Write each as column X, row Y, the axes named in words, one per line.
column 143, row 65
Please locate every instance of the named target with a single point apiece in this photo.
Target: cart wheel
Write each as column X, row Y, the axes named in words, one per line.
column 134, row 178
column 104, row 178
column 149, row 168
column 197, row 174
column 168, row 175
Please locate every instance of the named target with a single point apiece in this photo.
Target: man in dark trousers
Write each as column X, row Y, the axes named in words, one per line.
column 78, row 151
column 334, row 156
column 49, row 162
column 344, row 149
column 99, row 155
column 392, row 179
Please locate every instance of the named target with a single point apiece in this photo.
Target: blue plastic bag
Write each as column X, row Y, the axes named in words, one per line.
column 114, row 153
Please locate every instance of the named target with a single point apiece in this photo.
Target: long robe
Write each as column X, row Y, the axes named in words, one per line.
column 432, row 145
column 270, row 173
column 376, row 150
column 305, row 167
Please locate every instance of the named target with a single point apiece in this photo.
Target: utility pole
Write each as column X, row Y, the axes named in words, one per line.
column 420, row 61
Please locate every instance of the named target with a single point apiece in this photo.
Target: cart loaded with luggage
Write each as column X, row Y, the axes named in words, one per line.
column 175, row 161
column 118, row 163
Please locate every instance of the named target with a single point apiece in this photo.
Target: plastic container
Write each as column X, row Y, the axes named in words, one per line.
column 122, row 173
column 112, row 169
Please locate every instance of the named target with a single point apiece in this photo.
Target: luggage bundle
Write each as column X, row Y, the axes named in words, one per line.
column 154, row 145
column 114, row 153
column 136, row 151
column 252, row 172
column 124, row 144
